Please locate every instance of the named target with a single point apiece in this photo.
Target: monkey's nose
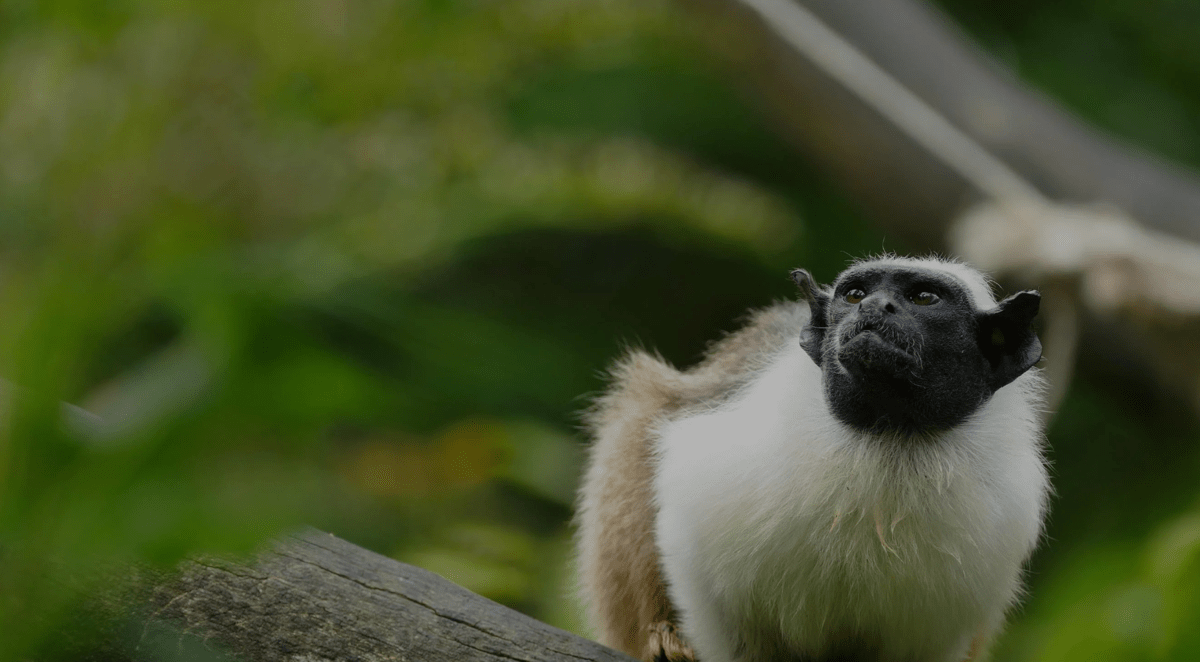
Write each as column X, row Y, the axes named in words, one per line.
column 879, row 303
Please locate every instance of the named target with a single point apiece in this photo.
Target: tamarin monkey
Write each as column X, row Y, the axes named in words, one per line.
column 855, row 476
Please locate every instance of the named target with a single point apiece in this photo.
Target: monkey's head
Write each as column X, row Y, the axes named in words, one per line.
column 914, row 345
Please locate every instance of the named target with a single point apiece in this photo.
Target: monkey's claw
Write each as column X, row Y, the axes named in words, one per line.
column 666, row 645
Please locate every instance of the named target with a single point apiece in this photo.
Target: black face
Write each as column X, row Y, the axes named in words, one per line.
column 903, row 349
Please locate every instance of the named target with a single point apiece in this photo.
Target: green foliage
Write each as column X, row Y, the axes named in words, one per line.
column 280, row 250
column 359, row 264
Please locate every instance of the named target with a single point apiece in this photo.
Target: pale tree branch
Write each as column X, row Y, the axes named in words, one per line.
column 908, row 191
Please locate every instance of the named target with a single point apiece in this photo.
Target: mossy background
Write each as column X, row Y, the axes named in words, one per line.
column 358, row 265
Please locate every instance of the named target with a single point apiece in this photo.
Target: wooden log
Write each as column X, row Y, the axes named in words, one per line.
column 315, row 597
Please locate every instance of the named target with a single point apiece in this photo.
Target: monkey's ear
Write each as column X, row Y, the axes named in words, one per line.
column 812, row 336
column 1007, row 338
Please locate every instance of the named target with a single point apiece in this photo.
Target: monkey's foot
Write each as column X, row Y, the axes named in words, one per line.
column 666, row 645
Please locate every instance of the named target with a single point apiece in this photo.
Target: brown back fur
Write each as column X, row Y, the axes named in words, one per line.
column 619, row 573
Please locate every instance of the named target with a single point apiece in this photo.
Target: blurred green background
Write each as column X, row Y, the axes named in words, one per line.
column 358, row 265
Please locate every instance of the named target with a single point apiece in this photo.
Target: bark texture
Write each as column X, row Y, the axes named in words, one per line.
column 314, row 597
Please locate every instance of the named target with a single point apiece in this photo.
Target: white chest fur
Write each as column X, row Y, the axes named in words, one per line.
column 781, row 530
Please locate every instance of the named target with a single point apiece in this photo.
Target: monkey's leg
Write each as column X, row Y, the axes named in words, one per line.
column 620, row 569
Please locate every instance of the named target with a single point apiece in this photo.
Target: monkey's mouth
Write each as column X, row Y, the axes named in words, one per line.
column 879, row 328
column 873, row 346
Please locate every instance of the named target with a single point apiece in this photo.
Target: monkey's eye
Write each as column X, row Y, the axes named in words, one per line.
column 925, row 299
column 854, row 296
